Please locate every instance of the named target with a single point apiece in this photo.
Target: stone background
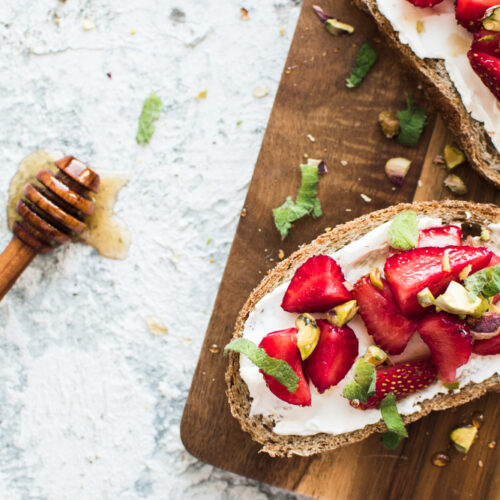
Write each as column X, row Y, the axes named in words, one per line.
column 90, row 399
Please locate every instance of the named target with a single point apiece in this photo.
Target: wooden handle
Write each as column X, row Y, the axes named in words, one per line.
column 16, row 257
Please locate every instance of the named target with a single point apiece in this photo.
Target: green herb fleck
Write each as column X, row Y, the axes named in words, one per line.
column 412, row 122
column 306, row 203
column 276, row 368
column 362, row 386
column 365, row 59
column 395, row 427
column 486, row 281
column 403, row 232
column 238, row 123
column 150, row 112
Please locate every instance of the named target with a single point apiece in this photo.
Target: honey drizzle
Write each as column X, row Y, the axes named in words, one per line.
column 107, row 234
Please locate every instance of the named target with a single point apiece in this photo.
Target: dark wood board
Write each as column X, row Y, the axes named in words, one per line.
column 312, row 99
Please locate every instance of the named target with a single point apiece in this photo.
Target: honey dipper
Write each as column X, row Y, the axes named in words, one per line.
column 51, row 214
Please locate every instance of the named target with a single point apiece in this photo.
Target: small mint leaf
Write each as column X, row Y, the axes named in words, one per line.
column 276, row 368
column 363, row 385
column 365, row 59
column 393, row 421
column 150, row 112
column 403, row 232
column 486, row 281
column 412, row 122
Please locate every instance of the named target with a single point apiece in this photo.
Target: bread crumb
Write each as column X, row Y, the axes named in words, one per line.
column 365, row 198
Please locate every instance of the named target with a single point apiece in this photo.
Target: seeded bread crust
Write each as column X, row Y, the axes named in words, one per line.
column 470, row 134
column 261, row 428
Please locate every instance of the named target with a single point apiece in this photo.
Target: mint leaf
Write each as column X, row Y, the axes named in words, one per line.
column 362, row 386
column 276, row 368
column 412, row 122
column 365, row 59
column 306, row 203
column 150, row 112
column 403, row 232
column 486, row 281
column 395, row 427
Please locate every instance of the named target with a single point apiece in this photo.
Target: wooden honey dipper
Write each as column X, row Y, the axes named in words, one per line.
column 51, row 214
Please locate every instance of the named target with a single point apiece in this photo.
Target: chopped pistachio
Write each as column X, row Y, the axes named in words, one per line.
column 445, row 263
column 465, row 272
column 307, row 335
column 452, row 386
column 455, row 184
column 202, row 94
column 485, row 306
column 343, row 313
column 485, row 234
column 420, row 26
column 336, row 27
column 389, row 123
column 463, row 437
column 396, row 169
column 456, row 300
column 491, row 20
column 425, row 298
column 374, row 355
column 376, row 278
column 88, row 24
column 453, row 156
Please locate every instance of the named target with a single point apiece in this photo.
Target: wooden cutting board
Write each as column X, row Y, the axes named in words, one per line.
column 312, row 99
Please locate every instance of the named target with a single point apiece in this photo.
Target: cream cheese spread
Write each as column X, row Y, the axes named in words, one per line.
column 440, row 37
column 330, row 412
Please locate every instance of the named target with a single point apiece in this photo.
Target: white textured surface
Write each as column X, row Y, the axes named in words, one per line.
column 90, row 400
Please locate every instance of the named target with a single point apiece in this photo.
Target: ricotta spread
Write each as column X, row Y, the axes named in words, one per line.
column 441, row 37
column 330, row 412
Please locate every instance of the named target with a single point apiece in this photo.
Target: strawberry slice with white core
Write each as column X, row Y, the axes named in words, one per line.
column 450, row 343
column 411, row 271
column 487, row 67
column 487, row 347
column 469, row 13
column 441, row 236
column 402, row 380
column 333, row 357
column 384, row 322
column 317, row 286
column 424, row 3
column 283, row 345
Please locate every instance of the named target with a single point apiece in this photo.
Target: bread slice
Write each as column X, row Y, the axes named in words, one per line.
column 261, row 428
column 470, row 134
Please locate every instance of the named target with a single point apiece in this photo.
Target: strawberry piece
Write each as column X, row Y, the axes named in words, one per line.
column 487, row 67
column 283, row 345
column 469, row 13
column 487, row 347
column 317, row 286
column 449, row 340
column 487, row 42
column 424, row 3
column 441, row 236
column 333, row 357
column 402, row 380
column 411, row 271
column 384, row 322
column 495, row 260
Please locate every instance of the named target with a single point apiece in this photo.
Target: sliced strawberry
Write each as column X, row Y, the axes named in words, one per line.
column 487, row 347
column 402, row 380
column 411, row 271
column 495, row 260
column 469, row 13
column 317, row 286
column 384, row 322
column 283, row 345
column 487, row 42
column 487, row 67
column 441, row 236
column 449, row 340
column 333, row 357
column 424, row 3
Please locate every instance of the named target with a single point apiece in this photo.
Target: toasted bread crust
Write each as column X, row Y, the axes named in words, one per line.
column 261, row 428
column 470, row 134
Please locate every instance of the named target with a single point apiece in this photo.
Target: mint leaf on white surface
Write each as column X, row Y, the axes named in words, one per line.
column 276, row 368
column 150, row 112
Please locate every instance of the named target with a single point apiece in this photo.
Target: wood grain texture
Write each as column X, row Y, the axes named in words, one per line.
column 312, row 99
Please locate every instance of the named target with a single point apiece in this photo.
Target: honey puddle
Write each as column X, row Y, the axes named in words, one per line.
column 107, row 234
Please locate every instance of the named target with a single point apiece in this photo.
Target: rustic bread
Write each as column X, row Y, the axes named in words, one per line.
column 470, row 134
column 261, row 428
